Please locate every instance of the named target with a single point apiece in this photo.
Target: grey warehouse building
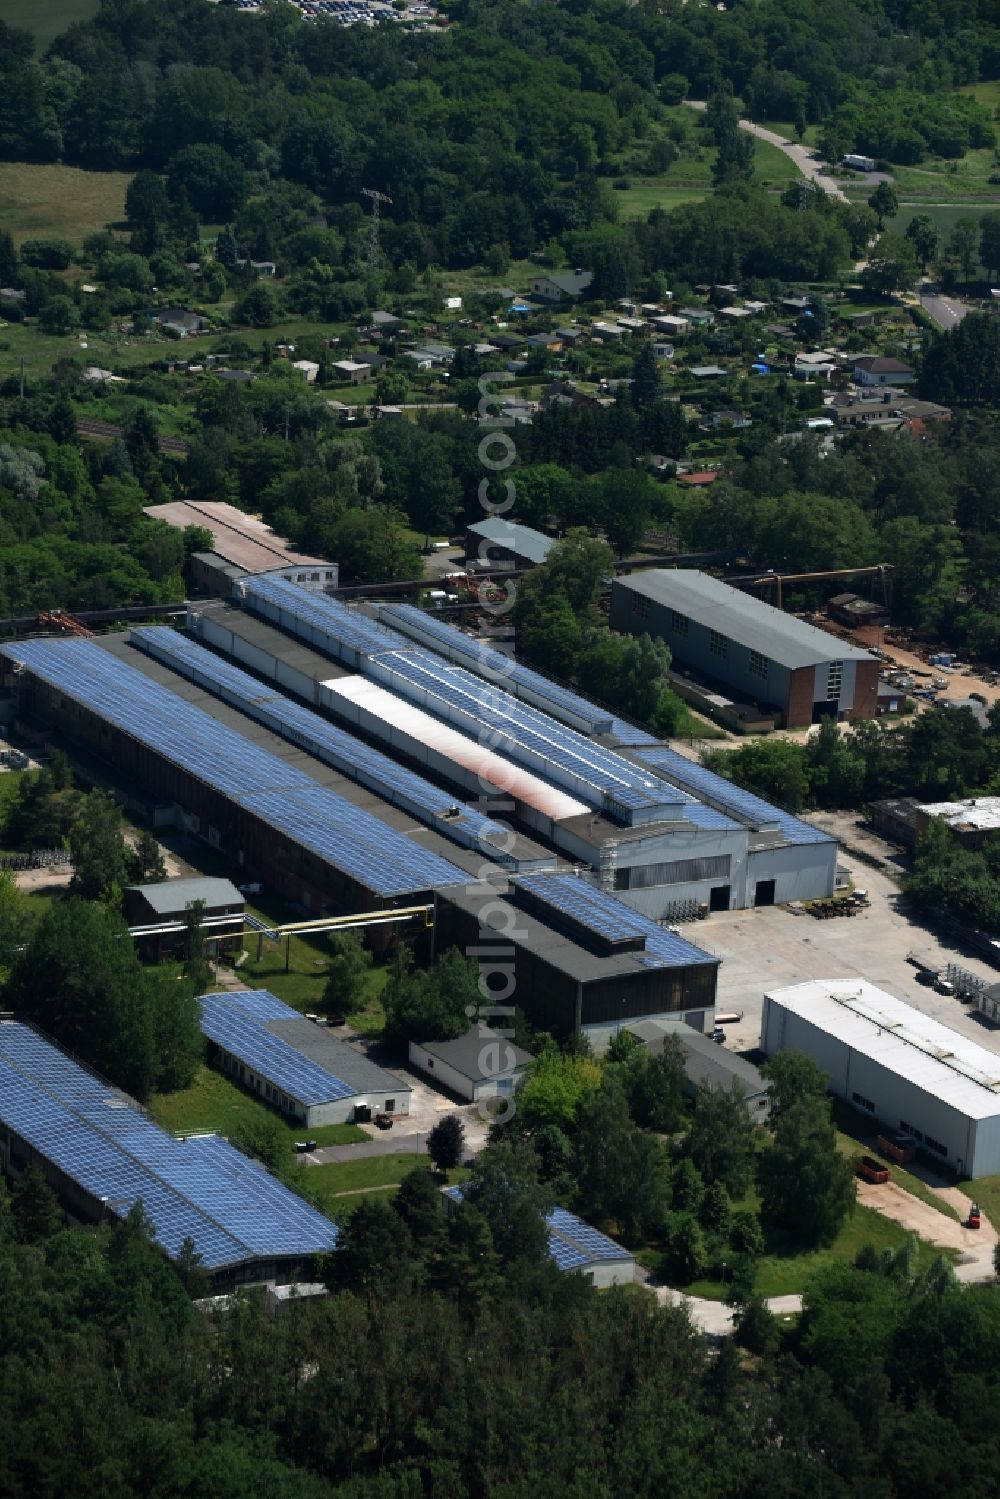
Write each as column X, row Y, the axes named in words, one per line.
column 749, row 648
column 294, row 1064
column 897, row 1064
column 707, row 1064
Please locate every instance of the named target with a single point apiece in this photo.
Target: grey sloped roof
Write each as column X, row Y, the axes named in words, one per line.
column 524, row 540
column 466, row 1053
column 739, row 616
column 704, row 1060
column 168, row 896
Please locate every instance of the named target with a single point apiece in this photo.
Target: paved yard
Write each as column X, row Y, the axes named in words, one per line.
column 764, row 949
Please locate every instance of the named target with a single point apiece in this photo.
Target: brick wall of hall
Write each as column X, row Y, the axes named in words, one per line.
column 799, row 707
column 865, row 690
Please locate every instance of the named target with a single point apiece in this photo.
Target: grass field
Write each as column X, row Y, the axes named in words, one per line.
column 945, row 218
column 46, row 19
column 215, row 1103
column 690, row 181
column 788, row 1275
column 61, row 201
column 986, row 1191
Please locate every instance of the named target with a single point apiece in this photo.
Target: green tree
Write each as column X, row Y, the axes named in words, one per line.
column 446, row 1143
column 148, row 865
column 504, row 1187
column 807, row 1188
column 923, row 235
column 345, row 991
column 884, row 203
column 793, row 1078
column 891, row 266
column 15, row 921
column 197, row 965
column 989, row 242
column 37, row 1214
column 374, row 1257
column 622, row 1172
column 102, row 860
column 722, row 1139
column 555, row 1088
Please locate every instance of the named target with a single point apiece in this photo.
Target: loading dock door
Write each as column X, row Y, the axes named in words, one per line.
column 763, row 893
column 718, row 899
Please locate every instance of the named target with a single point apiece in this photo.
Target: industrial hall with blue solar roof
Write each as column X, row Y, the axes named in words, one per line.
column 357, row 758
column 103, row 1155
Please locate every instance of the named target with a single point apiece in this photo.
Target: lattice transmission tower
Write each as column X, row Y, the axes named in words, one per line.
column 374, row 247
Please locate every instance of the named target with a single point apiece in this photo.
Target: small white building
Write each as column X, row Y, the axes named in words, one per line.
column 576, row 1247
column 897, row 1064
column 478, row 1065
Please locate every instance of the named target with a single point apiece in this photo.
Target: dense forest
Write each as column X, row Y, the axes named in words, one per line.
column 453, row 1358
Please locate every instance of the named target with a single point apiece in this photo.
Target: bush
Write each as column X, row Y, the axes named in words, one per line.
column 47, row 254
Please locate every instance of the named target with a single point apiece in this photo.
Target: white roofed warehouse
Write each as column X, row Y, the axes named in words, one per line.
column 897, row 1064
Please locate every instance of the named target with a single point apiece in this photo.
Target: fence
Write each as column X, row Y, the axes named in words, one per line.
column 37, row 858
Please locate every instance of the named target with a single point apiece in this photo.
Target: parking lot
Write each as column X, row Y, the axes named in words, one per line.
column 765, row 949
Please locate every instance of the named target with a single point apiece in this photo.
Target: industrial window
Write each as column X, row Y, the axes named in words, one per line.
column 718, row 644
column 679, row 623
column 834, row 681
column 758, row 664
column 640, row 605
column 679, row 872
column 863, row 1103
column 935, row 1145
column 909, row 1130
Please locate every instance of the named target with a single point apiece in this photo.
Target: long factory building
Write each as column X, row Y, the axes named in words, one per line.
column 352, row 766
column 102, row 1154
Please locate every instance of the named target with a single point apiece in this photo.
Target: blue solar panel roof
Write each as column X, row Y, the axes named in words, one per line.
column 201, row 1188
column 349, row 838
column 325, row 740
column 329, row 624
column 627, row 734
column 741, row 804
column 493, row 664
column 572, row 1242
column 238, row 1023
column 610, row 918
column 528, row 735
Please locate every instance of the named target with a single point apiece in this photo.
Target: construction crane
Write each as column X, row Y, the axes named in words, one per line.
column 374, row 248
column 880, row 569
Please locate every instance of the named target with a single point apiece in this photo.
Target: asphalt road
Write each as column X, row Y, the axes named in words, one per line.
column 947, row 311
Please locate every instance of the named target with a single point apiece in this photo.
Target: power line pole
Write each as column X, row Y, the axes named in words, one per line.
column 374, row 248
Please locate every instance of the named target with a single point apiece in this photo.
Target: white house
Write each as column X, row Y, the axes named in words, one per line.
column 875, row 369
column 478, row 1065
column 561, row 286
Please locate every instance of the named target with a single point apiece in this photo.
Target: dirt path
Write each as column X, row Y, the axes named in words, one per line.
column 800, row 156
column 975, row 1246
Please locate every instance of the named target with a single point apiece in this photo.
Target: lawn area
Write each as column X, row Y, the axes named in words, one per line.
column 215, row 1103
column 46, row 19
column 364, row 1174
column 308, row 959
column 944, row 218
column 939, row 181
column 646, row 193
column 61, row 201
column 787, row 1275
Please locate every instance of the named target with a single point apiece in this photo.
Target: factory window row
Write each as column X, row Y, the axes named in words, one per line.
column 677, row 872
column 758, row 665
column 718, row 644
column 926, row 1140
column 679, row 623
column 640, row 605
column 863, row 1103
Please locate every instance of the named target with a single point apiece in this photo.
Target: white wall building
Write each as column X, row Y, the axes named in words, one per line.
column 478, row 1065
column 893, row 1062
